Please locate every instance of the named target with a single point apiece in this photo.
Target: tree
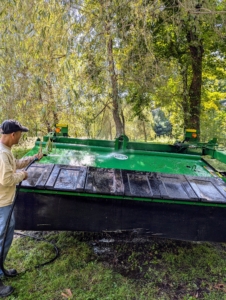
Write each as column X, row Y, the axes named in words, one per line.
column 184, row 29
column 117, row 65
column 95, row 62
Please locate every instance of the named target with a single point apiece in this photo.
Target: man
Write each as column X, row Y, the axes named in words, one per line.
column 11, row 131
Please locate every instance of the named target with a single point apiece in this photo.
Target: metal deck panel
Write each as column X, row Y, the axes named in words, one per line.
column 105, row 181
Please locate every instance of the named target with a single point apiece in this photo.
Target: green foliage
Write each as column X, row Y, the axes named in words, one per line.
column 57, row 65
column 23, row 147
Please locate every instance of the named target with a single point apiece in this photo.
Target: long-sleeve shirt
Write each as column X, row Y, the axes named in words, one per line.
column 9, row 177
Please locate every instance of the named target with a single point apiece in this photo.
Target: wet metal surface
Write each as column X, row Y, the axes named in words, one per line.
column 68, row 178
column 105, row 181
column 129, row 160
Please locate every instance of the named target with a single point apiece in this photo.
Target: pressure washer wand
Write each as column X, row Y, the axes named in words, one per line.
column 8, row 222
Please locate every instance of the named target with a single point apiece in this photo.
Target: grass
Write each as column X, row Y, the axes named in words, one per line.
column 134, row 269
column 155, row 269
column 76, row 270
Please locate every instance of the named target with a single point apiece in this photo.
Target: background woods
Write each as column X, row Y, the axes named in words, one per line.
column 102, row 66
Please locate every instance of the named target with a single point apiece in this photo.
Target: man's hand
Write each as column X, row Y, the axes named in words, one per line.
column 25, row 175
column 38, row 156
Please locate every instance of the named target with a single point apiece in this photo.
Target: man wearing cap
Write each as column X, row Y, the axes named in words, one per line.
column 11, row 131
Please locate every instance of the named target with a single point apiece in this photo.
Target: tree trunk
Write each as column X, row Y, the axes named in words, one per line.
column 114, row 85
column 196, row 51
column 185, row 101
column 123, row 121
column 144, row 130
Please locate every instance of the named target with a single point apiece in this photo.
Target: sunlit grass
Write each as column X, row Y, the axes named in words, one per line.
column 76, row 270
column 159, row 269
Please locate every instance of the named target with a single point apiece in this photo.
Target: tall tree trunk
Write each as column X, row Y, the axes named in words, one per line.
column 114, row 85
column 144, row 131
column 185, row 101
column 110, row 129
column 196, row 52
column 123, row 121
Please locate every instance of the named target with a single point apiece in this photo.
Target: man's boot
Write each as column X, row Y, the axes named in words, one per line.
column 5, row 290
column 11, row 272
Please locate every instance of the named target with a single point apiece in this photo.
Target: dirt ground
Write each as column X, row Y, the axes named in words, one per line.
column 143, row 259
column 140, row 258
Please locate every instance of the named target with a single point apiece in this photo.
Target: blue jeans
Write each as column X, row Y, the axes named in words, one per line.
column 4, row 213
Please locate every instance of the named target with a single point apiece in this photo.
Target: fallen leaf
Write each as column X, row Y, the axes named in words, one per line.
column 68, row 294
column 220, row 286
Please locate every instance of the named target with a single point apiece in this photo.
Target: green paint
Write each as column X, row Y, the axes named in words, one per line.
column 137, row 160
column 215, row 163
column 220, row 155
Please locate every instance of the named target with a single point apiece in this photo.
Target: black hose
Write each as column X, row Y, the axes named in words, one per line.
column 40, row 239
column 6, row 231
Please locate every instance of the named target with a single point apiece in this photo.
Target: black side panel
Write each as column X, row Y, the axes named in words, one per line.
column 65, row 212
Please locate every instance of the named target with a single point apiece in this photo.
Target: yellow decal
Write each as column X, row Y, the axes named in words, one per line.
column 61, row 125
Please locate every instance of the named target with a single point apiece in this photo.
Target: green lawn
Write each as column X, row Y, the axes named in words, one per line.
column 129, row 269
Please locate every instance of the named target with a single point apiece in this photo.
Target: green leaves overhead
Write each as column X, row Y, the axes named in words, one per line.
column 87, row 62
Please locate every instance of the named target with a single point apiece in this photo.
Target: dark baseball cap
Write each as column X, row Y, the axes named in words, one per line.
column 9, row 126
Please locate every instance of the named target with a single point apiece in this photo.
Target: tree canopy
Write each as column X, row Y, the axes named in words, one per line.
column 103, row 66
